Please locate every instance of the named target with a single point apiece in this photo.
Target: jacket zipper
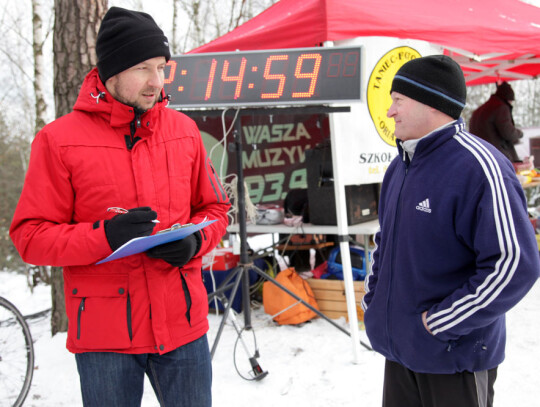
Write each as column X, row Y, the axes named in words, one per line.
column 187, row 297
column 393, row 268
column 133, row 126
column 79, row 314
column 130, row 330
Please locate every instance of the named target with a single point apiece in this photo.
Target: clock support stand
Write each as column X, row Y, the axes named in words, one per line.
column 239, row 276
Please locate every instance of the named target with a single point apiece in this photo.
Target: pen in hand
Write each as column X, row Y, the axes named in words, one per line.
column 117, row 209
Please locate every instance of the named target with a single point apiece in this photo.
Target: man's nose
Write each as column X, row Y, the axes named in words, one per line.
column 391, row 111
column 156, row 79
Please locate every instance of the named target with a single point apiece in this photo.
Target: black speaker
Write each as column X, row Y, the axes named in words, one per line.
column 361, row 200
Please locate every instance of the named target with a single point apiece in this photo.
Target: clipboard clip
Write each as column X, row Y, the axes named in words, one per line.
column 174, row 227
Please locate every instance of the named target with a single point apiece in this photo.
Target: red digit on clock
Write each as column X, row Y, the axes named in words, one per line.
column 172, row 72
column 210, row 82
column 280, row 77
column 239, row 79
column 311, row 75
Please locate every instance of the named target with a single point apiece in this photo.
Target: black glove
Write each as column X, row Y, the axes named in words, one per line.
column 137, row 222
column 179, row 252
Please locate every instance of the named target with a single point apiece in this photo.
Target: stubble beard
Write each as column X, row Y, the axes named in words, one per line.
column 134, row 103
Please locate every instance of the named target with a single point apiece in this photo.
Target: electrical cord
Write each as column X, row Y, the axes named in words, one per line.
column 256, row 286
column 255, row 355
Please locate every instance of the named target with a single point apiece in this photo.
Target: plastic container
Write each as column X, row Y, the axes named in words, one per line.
column 335, row 267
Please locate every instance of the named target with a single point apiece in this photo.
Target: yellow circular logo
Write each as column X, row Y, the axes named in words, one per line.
column 378, row 91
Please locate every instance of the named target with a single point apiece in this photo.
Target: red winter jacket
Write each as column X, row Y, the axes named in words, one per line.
column 79, row 166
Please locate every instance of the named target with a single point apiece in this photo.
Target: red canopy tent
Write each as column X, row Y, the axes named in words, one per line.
column 491, row 39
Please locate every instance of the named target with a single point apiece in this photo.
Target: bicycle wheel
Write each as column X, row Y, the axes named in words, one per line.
column 16, row 355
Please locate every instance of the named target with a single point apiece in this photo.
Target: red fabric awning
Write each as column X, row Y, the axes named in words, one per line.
column 491, row 39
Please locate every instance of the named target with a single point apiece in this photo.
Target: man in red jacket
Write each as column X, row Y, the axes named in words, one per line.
column 121, row 147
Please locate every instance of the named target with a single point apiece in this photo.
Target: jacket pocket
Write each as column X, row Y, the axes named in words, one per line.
column 187, row 297
column 195, row 294
column 99, row 311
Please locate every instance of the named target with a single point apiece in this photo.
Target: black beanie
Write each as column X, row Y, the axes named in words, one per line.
column 436, row 81
column 127, row 38
column 505, row 91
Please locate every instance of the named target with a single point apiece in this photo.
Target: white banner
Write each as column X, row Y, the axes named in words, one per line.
column 366, row 135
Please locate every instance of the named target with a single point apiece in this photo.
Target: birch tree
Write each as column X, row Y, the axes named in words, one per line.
column 39, row 68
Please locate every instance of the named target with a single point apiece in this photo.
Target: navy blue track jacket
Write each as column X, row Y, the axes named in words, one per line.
column 455, row 241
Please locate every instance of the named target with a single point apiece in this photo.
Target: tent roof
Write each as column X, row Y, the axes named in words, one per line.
column 491, row 39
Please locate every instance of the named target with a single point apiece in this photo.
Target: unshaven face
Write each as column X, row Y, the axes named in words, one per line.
column 139, row 86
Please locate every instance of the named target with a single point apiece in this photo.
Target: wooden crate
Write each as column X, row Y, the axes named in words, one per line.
column 330, row 296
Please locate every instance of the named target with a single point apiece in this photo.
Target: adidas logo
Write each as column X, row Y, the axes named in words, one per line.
column 424, row 206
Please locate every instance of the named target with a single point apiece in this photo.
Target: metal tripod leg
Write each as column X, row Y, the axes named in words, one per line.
column 257, row 371
column 238, row 272
column 315, row 310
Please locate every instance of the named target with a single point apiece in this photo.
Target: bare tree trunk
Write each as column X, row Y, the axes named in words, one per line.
column 175, row 43
column 76, row 25
column 37, row 45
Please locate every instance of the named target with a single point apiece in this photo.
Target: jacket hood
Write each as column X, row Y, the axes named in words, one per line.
column 94, row 97
column 505, row 91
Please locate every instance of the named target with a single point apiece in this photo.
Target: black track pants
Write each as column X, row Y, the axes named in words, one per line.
column 405, row 388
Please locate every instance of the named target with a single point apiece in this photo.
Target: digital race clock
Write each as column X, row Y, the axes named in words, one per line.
column 252, row 78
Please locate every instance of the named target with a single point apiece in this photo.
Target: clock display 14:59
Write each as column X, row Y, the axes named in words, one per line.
column 277, row 77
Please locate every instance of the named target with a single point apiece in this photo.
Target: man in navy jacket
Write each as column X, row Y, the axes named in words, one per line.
column 455, row 250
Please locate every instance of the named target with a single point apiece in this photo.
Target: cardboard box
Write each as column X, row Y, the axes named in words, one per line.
column 330, row 296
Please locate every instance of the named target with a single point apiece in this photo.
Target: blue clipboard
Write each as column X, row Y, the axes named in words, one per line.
column 141, row 244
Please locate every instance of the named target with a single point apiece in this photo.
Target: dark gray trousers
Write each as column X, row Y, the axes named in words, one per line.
column 405, row 388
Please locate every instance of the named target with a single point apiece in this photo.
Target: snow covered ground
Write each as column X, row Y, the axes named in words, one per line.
column 309, row 365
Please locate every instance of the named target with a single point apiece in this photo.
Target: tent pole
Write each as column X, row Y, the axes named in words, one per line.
column 343, row 236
